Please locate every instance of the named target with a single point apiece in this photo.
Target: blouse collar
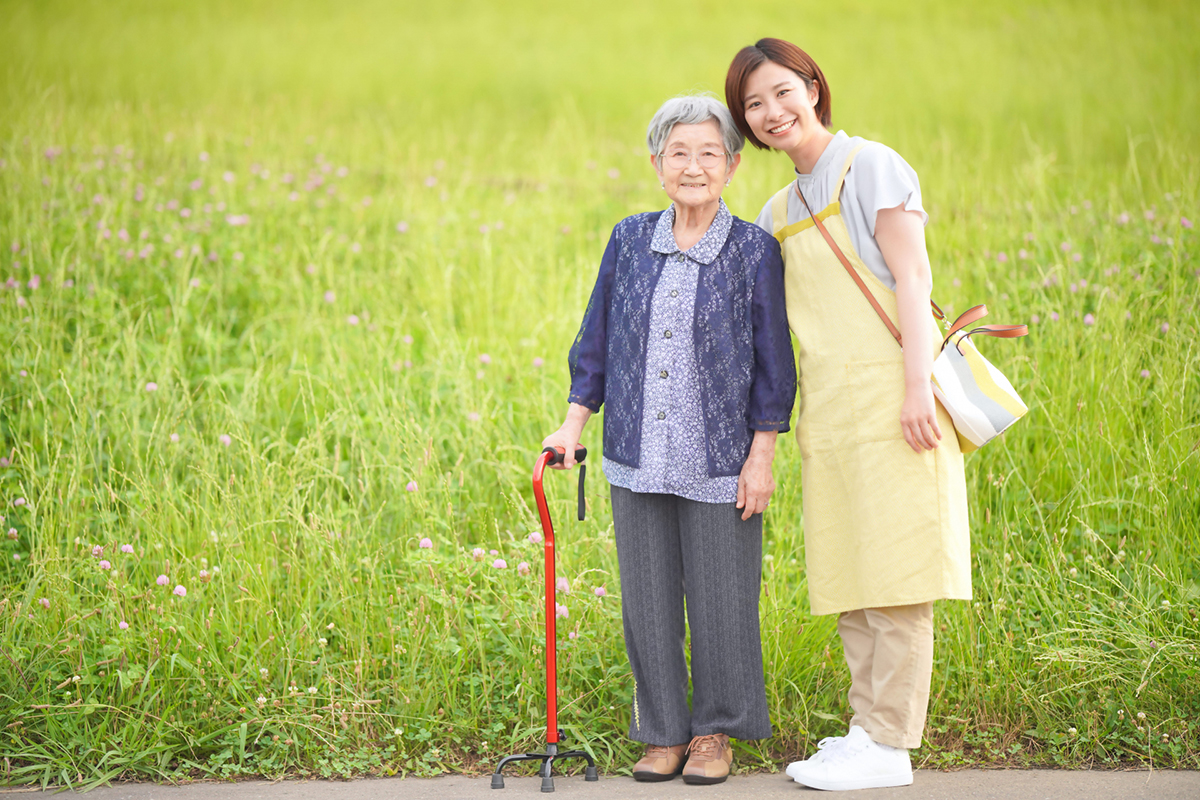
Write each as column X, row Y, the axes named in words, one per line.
column 711, row 243
column 832, row 155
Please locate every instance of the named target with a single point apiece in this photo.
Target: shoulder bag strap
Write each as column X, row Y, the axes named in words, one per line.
column 852, row 271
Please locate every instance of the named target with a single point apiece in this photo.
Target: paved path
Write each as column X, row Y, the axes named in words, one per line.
column 964, row 785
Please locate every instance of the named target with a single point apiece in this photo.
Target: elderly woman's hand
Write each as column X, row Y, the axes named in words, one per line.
column 567, row 435
column 756, row 483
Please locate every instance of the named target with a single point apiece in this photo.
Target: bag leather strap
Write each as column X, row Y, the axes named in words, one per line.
column 999, row 331
column 965, row 319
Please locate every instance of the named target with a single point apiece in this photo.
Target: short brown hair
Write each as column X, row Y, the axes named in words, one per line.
column 785, row 54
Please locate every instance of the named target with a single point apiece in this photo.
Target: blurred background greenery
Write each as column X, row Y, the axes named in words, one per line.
column 962, row 89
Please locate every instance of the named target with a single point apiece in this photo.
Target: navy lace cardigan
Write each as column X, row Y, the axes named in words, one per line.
column 743, row 347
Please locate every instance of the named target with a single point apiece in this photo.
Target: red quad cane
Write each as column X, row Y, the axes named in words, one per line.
column 553, row 734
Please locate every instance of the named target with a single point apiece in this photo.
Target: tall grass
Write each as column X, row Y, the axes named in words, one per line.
column 290, row 291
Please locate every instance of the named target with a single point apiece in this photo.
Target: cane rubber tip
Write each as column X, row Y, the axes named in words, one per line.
column 547, row 784
column 590, row 774
column 497, row 780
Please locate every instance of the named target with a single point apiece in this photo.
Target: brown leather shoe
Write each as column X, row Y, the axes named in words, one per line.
column 709, row 759
column 660, row 763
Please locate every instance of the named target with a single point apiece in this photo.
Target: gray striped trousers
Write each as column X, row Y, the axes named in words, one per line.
column 669, row 549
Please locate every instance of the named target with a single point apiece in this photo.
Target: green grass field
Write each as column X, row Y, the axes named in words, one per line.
column 291, row 286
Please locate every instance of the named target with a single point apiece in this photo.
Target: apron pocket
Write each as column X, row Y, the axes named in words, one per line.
column 876, row 397
column 826, row 420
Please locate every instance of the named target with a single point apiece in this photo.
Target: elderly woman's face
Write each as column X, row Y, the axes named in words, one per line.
column 693, row 168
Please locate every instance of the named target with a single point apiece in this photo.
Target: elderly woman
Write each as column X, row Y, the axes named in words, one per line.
column 686, row 340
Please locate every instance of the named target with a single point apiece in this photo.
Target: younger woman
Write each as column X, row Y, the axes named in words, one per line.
column 884, row 494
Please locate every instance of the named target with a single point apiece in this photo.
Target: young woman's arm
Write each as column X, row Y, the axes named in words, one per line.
column 901, row 239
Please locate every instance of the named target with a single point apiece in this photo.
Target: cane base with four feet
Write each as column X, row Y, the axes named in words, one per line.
column 547, row 758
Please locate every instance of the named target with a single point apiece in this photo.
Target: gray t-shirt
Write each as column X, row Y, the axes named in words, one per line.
column 879, row 178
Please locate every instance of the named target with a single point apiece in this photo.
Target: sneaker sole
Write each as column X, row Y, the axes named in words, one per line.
column 794, row 770
column 878, row 782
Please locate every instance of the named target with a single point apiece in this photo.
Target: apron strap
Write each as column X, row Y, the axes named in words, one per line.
column 779, row 212
column 836, row 197
column 837, row 187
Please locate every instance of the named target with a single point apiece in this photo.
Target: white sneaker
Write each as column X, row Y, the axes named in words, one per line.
column 857, row 763
column 824, row 748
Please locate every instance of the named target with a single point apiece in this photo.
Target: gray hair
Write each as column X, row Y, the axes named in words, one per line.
column 694, row 109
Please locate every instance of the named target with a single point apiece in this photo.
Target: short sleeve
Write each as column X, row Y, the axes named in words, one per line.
column 882, row 179
column 765, row 220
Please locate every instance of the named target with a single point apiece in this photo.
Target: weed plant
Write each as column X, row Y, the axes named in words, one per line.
column 286, row 316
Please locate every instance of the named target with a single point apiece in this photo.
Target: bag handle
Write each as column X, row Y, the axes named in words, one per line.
column 999, row 331
column 965, row 319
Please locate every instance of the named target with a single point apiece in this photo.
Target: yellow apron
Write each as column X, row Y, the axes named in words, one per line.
column 883, row 526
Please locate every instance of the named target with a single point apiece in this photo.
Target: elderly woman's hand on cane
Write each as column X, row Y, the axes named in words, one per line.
column 567, row 436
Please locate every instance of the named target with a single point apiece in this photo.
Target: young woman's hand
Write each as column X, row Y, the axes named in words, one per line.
column 918, row 419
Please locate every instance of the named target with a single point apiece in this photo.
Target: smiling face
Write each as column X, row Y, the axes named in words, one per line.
column 779, row 107
column 694, row 185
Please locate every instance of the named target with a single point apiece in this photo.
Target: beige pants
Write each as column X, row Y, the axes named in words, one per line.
column 890, row 655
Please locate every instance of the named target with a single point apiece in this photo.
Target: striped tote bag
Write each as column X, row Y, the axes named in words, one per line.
column 980, row 400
